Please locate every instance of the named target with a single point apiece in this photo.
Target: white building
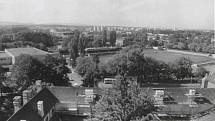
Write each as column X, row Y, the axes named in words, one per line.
column 9, row 56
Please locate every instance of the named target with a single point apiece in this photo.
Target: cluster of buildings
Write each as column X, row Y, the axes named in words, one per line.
column 11, row 36
column 55, row 103
column 113, row 28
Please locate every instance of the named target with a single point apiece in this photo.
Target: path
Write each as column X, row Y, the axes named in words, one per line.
column 75, row 78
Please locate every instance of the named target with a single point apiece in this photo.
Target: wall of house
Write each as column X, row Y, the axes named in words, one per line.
column 211, row 85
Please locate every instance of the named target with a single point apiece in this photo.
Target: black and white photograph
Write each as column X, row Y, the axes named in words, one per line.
column 107, row 60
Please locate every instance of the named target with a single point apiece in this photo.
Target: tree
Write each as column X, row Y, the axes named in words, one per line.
column 26, row 70
column 36, row 39
column 200, row 72
column 182, row 46
column 182, row 68
column 2, row 78
column 88, row 68
column 82, row 45
column 132, row 62
column 73, row 49
column 115, row 106
column 112, row 38
column 55, row 70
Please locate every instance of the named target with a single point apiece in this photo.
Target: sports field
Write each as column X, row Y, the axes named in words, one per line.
column 166, row 56
column 172, row 56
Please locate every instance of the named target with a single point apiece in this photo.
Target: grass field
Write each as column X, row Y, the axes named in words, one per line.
column 105, row 58
column 165, row 56
column 172, row 56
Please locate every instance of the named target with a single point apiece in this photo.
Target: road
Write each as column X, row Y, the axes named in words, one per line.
column 77, row 79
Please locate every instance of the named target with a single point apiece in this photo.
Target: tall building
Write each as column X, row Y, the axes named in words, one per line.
column 104, row 34
column 112, row 38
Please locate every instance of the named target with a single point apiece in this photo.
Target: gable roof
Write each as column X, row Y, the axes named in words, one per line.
column 29, row 111
column 70, row 94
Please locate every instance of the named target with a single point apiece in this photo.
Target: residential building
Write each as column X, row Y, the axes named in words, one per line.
column 9, row 56
column 74, row 104
column 184, row 104
column 54, row 104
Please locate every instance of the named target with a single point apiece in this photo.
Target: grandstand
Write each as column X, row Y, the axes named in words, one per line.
column 102, row 50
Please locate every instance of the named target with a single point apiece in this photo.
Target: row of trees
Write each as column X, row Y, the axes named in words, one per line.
column 195, row 41
column 39, row 40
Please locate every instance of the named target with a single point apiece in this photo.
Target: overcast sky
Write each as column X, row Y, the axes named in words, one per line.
column 191, row 14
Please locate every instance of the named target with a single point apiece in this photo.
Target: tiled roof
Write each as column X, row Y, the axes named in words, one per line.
column 183, row 109
column 179, row 94
column 70, row 94
column 181, row 105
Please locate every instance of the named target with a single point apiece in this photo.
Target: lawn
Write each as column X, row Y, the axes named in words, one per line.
column 105, row 58
column 169, row 57
column 172, row 56
column 165, row 56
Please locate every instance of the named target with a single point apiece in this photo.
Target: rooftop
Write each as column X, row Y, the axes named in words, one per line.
column 73, row 101
column 29, row 50
column 63, row 101
column 4, row 55
column 29, row 111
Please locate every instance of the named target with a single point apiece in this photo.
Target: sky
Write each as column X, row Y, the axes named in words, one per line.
column 186, row 14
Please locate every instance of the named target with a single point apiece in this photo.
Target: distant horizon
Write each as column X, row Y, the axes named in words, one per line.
column 10, row 23
column 182, row 14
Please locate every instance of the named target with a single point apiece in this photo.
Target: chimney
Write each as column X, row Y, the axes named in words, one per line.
column 192, row 92
column 17, row 102
column 38, row 85
column 26, row 95
column 40, row 108
column 159, row 97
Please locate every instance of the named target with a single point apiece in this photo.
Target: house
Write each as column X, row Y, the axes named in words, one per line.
column 15, row 52
column 74, row 104
column 184, row 104
column 53, row 104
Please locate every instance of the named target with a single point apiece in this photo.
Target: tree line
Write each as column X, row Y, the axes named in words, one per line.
column 28, row 69
column 131, row 62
